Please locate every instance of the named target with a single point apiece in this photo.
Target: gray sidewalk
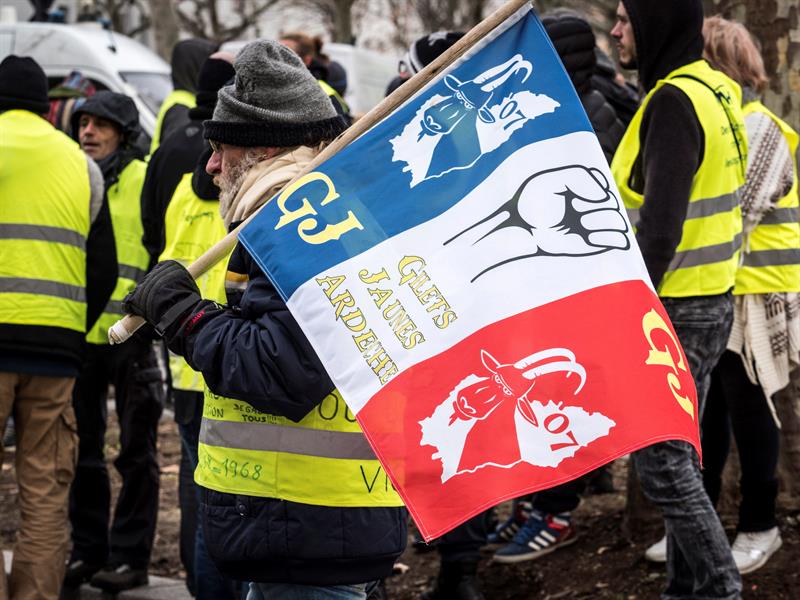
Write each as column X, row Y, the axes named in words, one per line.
column 160, row 588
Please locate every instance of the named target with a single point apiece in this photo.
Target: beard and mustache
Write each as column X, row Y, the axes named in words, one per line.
column 231, row 180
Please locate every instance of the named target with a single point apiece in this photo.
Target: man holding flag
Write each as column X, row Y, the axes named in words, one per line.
column 282, row 462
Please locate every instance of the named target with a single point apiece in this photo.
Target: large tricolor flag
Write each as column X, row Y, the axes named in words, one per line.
column 466, row 272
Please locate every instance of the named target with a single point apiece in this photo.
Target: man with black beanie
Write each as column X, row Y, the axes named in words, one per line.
column 116, row 558
column 181, row 204
column 57, row 272
column 680, row 168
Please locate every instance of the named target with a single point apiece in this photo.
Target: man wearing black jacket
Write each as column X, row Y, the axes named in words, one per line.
column 679, row 169
column 116, row 557
column 57, row 272
column 547, row 517
column 180, row 206
column 296, row 520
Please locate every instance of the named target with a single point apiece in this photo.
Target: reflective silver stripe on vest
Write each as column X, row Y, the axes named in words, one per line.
column 291, row 440
column 698, row 209
column 707, row 207
column 780, row 216
column 42, row 287
column 44, row 233
column 772, row 258
column 131, row 272
column 706, row 255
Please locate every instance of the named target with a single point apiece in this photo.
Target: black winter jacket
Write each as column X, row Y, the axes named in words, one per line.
column 574, row 41
column 254, row 350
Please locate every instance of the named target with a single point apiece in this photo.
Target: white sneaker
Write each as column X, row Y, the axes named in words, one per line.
column 657, row 553
column 751, row 551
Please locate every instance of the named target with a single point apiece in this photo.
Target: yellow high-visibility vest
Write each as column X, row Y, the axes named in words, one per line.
column 323, row 460
column 192, row 226
column 44, row 224
column 175, row 97
column 124, row 204
column 706, row 258
column 771, row 256
column 332, row 93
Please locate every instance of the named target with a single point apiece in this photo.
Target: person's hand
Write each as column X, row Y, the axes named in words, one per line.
column 569, row 211
column 164, row 297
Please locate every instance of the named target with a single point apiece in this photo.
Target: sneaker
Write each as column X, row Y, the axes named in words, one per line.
column 78, row 572
column 752, row 550
column 541, row 535
column 657, row 553
column 116, row 578
column 506, row 531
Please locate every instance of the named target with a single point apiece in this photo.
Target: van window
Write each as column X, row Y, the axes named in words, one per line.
column 152, row 87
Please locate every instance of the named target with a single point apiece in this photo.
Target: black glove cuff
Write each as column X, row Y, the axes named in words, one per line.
column 175, row 313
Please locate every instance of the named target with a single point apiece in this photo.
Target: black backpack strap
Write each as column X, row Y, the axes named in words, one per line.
column 725, row 100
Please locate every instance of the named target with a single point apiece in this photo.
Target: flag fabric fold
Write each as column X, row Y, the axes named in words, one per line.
column 468, row 277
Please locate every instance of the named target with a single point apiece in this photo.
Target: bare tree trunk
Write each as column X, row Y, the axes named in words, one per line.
column 641, row 516
column 165, row 27
column 343, row 22
column 788, row 405
column 776, row 24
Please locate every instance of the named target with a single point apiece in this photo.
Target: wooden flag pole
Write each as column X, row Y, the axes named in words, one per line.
column 125, row 327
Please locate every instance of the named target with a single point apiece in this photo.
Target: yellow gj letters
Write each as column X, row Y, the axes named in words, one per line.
column 307, row 225
column 651, row 322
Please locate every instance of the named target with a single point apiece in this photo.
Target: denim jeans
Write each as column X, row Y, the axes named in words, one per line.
column 293, row 591
column 699, row 561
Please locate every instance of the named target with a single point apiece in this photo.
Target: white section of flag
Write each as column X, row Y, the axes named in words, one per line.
column 503, row 292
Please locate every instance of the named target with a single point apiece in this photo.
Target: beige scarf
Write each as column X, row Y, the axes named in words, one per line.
column 264, row 180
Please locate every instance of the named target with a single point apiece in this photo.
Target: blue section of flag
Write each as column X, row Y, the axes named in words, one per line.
column 375, row 191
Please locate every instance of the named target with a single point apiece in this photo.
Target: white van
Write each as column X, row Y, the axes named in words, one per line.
column 110, row 60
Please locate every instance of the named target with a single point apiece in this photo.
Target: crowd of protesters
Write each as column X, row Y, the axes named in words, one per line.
column 706, row 172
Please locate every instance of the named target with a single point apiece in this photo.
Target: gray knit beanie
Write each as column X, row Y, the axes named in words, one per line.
column 274, row 101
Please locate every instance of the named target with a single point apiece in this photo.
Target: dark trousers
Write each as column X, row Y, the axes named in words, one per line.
column 203, row 578
column 734, row 402
column 133, row 370
column 699, row 561
column 463, row 543
column 562, row 498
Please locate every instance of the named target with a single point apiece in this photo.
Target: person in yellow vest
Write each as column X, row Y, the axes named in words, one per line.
column 57, row 272
column 180, row 209
column 297, row 519
column 187, row 57
column 765, row 342
column 680, row 169
column 105, row 126
column 305, row 47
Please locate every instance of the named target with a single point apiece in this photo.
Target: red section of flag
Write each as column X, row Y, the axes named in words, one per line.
column 532, row 401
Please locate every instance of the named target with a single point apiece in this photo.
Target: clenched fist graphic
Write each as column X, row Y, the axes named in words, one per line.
column 568, row 211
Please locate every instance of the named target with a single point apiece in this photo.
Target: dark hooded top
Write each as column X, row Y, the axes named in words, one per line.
column 188, row 57
column 668, row 35
column 574, row 40
column 183, row 151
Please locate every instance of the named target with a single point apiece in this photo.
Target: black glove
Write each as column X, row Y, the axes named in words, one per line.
column 165, row 297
